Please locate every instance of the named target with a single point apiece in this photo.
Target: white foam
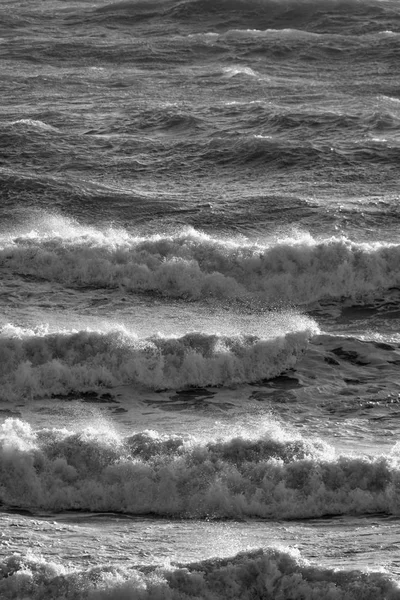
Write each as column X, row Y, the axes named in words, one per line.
column 193, row 265
column 181, row 476
column 35, row 124
column 264, row 573
column 239, row 70
column 269, row 33
column 40, row 364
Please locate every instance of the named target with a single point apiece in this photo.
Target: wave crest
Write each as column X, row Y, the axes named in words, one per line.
column 181, row 477
column 195, row 266
column 250, row 575
column 45, row 364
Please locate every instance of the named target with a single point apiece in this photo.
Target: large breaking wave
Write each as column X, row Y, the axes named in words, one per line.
column 37, row 363
column 197, row 266
column 174, row 475
column 255, row 575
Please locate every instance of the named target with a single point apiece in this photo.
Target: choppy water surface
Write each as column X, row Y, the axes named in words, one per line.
column 199, row 300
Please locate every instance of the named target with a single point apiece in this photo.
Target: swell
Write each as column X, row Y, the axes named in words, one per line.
column 311, row 142
column 295, row 45
column 27, row 189
column 48, row 364
column 325, row 16
column 253, row 575
column 158, row 16
column 147, row 473
column 335, row 124
column 196, row 266
column 258, row 151
column 37, row 137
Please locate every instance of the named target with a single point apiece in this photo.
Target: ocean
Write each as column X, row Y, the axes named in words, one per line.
column 199, row 299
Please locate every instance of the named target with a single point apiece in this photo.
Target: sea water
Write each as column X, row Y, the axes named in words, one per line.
column 199, row 299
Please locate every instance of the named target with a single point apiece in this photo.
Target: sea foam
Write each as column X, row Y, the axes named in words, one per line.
column 264, row 574
column 197, row 266
column 179, row 476
column 40, row 364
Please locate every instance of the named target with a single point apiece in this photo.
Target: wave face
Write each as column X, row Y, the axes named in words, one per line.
column 195, row 266
column 46, row 364
column 258, row 574
column 148, row 473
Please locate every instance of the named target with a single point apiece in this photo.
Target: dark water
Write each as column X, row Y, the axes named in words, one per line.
column 200, row 299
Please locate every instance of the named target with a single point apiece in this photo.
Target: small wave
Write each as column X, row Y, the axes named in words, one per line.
column 268, row 33
column 163, row 118
column 132, row 10
column 168, row 119
column 33, row 124
column 293, row 43
column 295, row 153
column 181, row 477
column 390, row 99
column 36, row 364
column 257, row 574
column 239, row 70
column 368, row 350
column 196, row 266
column 328, row 121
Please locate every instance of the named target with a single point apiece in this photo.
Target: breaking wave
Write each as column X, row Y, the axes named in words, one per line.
column 254, row 575
column 37, row 363
column 180, row 476
column 196, row 266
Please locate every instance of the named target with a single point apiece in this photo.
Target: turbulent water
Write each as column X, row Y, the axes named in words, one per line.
column 200, row 299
